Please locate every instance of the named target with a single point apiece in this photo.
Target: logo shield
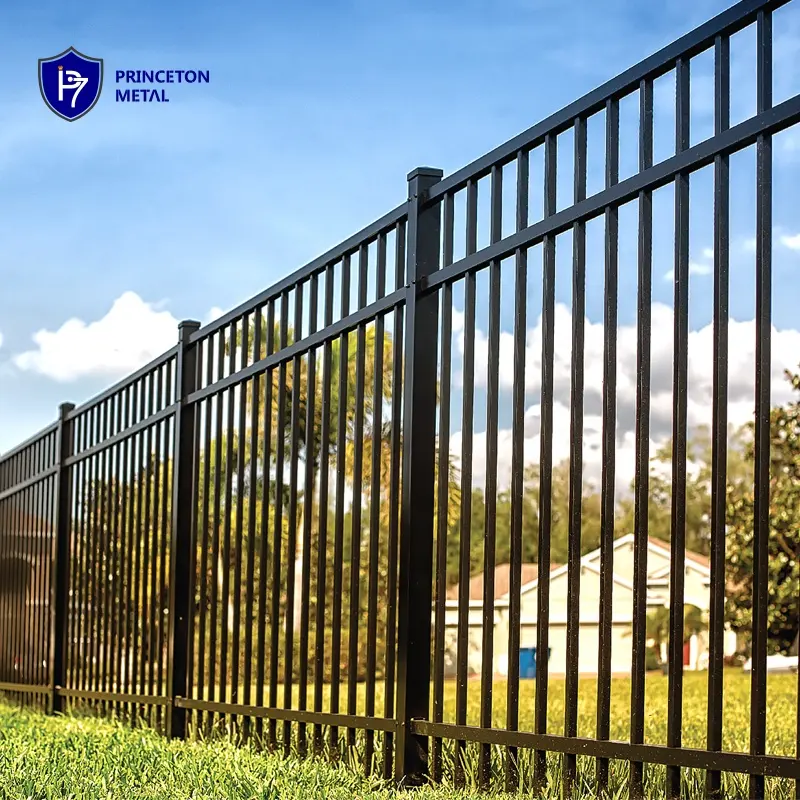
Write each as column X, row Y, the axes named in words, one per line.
column 70, row 83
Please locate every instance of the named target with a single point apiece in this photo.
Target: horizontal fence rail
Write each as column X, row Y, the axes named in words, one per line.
column 313, row 522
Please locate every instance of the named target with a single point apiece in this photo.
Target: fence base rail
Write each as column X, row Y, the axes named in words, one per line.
column 773, row 766
column 113, row 697
column 291, row 715
column 23, row 688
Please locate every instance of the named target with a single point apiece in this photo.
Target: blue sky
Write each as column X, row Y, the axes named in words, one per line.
column 314, row 115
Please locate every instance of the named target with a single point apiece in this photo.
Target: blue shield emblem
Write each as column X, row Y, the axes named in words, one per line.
column 70, row 83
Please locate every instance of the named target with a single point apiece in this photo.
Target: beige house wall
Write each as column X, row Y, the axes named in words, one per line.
column 658, row 561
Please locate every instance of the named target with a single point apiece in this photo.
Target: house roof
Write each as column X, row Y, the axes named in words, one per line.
column 692, row 558
column 502, row 581
column 530, row 572
column 697, row 558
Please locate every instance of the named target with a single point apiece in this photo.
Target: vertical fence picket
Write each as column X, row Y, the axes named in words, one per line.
column 720, row 412
column 761, row 488
column 517, row 470
column 642, row 433
column 679, row 433
column 546, row 462
column 610, row 303
column 183, row 519
column 576, row 456
column 395, row 438
column 60, row 560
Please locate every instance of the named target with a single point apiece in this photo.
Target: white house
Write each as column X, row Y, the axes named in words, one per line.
column 696, row 592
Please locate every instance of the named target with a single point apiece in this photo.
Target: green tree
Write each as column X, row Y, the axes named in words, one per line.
column 590, row 523
column 783, row 612
column 698, row 495
column 657, row 625
column 232, row 458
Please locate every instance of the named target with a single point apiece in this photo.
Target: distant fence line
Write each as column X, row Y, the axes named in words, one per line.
column 252, row 529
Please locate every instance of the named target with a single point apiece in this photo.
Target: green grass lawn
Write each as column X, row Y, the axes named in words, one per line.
column 79, row 757
column 781, row 707
column 82, row 759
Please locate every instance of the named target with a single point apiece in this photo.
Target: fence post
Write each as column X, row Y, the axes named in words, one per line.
column 183, row 509
column 59, row 561
column 419, row 454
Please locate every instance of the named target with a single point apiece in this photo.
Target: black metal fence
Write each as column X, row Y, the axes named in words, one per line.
column 248, row 535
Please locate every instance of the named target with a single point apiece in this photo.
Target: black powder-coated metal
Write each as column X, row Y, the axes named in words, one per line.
column 180, row 600
column 545, row 462
column 443, row 490
column 308, row 511
column 419, row 458
column 60, row 559
column 609, row 447
column 679, row 431
column 467, row 423
column 761, row 433
column 338, row 543
column 356, row 522
column 490, row 518
column 322, row 535
column 375, row 499
column 682, row 757
column 291, row 544
column 395, row 438
column 642, row 434
column 263, row 558
column 517, row 470
column 575, row 510
column 719, row 425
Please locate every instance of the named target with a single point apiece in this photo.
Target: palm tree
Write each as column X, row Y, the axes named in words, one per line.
column 259, row 486
column 657, row 625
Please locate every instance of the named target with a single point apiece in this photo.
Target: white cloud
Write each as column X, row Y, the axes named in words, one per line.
column 708, row 252
column 696, row 268
column 1, row 338
column 741, row 387
column 132, row 333
column 791, row 242
column 213, row 314
column 699, row 268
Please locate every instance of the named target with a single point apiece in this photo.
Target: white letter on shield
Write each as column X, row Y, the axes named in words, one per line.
column 75, row 82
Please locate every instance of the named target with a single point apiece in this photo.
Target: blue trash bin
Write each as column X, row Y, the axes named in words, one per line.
column 527, row 661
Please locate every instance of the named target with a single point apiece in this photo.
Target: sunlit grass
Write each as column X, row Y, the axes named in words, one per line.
column 781, row 705
column 79, row 757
